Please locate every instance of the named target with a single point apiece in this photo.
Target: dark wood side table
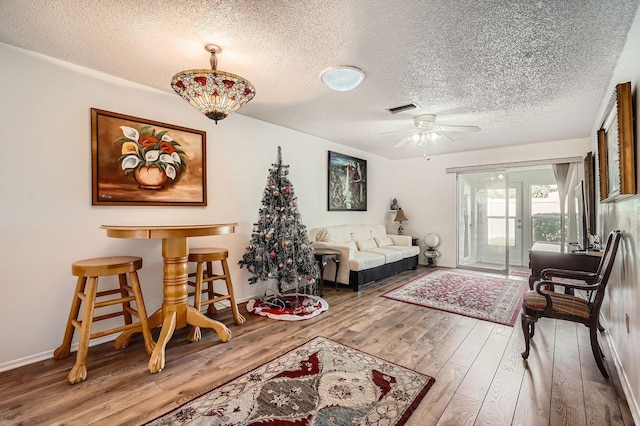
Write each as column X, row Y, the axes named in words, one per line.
column 548, row 255
column 322, row 257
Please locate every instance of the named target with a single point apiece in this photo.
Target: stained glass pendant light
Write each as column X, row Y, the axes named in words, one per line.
column 214, row 93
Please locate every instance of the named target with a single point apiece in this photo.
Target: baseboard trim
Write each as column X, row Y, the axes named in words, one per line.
column 43, row 356
column 624, row 381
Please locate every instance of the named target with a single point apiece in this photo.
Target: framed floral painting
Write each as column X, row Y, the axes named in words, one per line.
column 135, row 162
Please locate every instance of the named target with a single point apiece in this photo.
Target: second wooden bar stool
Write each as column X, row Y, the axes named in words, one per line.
column 88, row 271
column 202, row 281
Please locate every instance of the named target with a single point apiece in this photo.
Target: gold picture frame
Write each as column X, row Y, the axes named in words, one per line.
column 590, row 190
column 616, row 151
column 140, row 162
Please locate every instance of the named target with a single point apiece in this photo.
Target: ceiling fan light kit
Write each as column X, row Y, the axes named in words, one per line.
column 214, row 93
column 427, row 132
column 342, row 78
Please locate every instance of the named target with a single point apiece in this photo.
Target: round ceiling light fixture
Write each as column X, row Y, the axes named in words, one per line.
column 342, row 78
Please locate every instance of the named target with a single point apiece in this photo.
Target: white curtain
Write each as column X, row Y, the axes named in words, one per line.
column 565, row 174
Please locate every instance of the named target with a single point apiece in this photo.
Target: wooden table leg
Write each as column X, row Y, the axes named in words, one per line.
column 197, row 319
column 156, row 363
column 322, row 263
column 175, row 311
column 122, row 341
column 335, row 279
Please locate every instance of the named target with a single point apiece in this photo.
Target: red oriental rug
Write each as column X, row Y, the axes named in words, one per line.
column 319, row 383
column 482, row 296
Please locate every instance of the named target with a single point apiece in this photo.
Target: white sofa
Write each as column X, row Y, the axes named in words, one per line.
column 367, row 253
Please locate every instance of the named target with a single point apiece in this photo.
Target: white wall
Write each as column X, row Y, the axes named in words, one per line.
column 624, row 288
column 46, row 217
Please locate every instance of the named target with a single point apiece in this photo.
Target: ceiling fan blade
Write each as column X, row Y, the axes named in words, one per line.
column 397, row 131
column 460, row 129
column 446, row 136
column 402, row 142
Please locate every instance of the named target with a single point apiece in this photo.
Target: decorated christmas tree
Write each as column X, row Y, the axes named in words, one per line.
column 280, row 250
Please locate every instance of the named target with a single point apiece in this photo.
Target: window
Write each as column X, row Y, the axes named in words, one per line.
column 497, row 205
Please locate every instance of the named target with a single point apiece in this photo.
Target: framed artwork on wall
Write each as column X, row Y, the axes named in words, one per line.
column 616, row 151
column 590, row 189
column 140, row 162
column 347, row 183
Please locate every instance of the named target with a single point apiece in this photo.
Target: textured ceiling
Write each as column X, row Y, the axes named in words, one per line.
column 524, row 71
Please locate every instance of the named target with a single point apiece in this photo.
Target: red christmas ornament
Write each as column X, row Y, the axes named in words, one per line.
column 272, row 254
column 287, row 190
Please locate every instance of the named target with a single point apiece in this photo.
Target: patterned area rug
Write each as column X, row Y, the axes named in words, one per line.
column 488, row 298
column 526, row 273
column 319, row 383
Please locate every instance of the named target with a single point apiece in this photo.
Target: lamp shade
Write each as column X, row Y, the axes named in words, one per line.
column 400, row 217
column 431, row 240
column 214, row 93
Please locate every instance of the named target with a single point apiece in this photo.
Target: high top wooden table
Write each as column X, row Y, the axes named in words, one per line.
column 175, row 311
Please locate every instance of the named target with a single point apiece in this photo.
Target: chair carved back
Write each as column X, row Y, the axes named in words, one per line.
column 604, row 269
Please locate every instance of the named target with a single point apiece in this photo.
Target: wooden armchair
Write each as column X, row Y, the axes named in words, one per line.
column 544, row 302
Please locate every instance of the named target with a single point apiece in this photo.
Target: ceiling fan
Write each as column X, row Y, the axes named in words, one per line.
column 427, row 131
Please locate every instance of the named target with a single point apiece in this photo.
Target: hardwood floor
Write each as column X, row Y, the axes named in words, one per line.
column 480, row 376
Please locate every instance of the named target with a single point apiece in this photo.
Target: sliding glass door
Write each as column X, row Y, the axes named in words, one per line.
column 502, row 212
column 483, row 206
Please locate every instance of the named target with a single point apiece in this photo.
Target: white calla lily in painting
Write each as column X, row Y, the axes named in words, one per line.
column 147, row 148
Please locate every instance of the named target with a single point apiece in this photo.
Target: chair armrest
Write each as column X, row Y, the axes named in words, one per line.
column 588, row 277
column 400, row 240
column 544, row 292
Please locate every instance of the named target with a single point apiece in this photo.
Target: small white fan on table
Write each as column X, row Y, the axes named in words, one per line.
column 427, row 131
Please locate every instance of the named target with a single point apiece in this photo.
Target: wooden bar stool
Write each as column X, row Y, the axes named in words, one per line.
column 88, row 271
column 203, row 284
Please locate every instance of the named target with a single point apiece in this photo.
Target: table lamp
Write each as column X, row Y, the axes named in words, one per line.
column 400, row 217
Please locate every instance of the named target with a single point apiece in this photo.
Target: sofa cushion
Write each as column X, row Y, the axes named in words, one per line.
column 335, row 234
column 389, row 254
column 407, row 251
column 378, row 231
column 361, row 232
column 400, row 240
column 366, row 244
column 364, row 260
column 383, row 241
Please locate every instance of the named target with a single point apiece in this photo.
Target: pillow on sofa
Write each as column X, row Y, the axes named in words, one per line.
column 366, row 244
column 383, row 241
column 322, row 235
